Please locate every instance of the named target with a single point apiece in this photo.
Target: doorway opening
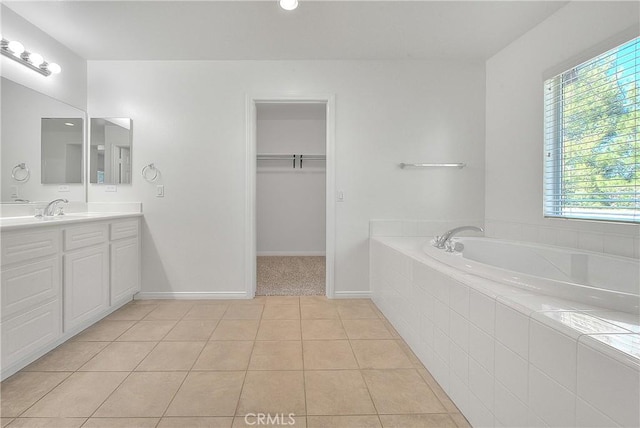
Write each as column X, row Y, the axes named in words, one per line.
column 290, row 199
column 290, row 180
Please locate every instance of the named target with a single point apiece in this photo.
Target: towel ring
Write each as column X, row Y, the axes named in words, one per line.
column 146, row 169
column 25, row 174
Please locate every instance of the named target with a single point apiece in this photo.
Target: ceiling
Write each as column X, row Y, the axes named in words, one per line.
column 260, row 30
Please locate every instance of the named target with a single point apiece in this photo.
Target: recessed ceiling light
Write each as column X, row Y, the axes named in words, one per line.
column 288, row 4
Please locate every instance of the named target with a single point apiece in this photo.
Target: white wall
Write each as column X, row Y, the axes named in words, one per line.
column 514, row 108
column 70, row 86
column 189, row 119
column 290, row 202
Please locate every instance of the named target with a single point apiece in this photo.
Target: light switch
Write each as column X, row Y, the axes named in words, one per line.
column 111, row 188
column 340, row 196
column 160, row 191
column 14, row 192
column 63, row 188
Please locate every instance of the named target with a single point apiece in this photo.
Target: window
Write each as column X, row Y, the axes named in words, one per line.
column 591, row 131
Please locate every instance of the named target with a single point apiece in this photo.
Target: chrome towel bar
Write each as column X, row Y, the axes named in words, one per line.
column 459, row 165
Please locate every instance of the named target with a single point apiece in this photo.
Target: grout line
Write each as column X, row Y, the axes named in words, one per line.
column 140, row 362
column 364, row 381
column 72, row 372
column 244, row 379
column 190, row 370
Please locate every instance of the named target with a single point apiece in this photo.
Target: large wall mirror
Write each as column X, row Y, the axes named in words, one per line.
column 110, row 154
column 41, row 150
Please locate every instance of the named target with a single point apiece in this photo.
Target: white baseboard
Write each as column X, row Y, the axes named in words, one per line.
column 231, row 295
column 178, row 295
column 290, row 253
column 352, row 295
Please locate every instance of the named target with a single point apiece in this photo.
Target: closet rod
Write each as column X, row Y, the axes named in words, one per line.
column 293, row 157
column 290, row 157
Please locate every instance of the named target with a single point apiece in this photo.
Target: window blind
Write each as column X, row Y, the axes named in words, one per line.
column 591, row 131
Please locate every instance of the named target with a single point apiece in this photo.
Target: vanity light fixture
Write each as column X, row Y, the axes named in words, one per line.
column 69, row 124
column 289, row 4
column 16, row 51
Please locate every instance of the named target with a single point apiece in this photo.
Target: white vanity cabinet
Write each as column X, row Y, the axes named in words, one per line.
column 59, row 279
column 31, row 305
column 86, row 273
column 125, row 260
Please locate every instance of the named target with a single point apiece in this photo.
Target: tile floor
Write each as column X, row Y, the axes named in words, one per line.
column 332, row 363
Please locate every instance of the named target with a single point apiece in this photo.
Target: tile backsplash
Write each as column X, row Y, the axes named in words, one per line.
column 426, row 228
column 610, row 238
column 615, row 239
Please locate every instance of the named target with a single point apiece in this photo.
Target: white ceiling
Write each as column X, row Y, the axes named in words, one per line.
column 260, row 30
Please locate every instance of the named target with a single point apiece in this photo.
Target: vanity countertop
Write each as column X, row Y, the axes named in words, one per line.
column 13, row 223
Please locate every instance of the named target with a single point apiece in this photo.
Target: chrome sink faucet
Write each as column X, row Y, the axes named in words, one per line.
column 50, row 210
column 444, row 240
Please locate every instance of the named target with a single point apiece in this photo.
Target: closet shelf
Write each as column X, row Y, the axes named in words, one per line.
column 280, row 156
column 292, row 157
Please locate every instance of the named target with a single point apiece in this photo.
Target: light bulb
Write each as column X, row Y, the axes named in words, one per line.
column 288, row 4
column 36, row 59
column 16, row 47
column 54, row 68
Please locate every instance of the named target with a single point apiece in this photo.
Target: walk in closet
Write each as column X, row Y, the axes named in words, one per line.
column 291, row 198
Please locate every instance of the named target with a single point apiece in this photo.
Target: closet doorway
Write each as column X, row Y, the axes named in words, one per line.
column 291, row 199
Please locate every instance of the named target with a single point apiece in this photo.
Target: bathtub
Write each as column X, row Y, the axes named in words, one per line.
column 600, row 280
column 517, row 334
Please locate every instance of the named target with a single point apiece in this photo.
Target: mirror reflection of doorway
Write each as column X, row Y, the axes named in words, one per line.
column 122, row 158
column 291, row 198
column 110, row 151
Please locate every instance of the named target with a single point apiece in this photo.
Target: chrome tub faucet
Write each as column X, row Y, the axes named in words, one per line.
column 444, row 241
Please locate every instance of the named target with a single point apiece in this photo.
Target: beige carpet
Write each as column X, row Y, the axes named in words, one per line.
column 291, row 276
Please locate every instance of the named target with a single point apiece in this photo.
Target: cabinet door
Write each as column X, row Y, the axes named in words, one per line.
column 125, row 269
column 86, row 284
column 30, row 331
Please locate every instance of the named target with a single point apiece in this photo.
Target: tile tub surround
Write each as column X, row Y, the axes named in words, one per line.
column 187, row 363
column 505, row 356
column 619, row 239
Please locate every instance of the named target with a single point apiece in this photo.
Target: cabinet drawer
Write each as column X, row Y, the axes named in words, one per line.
column 28, row 284
column 22, row 246
column 124, row 229
column 84, row 236
column 26, row 333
